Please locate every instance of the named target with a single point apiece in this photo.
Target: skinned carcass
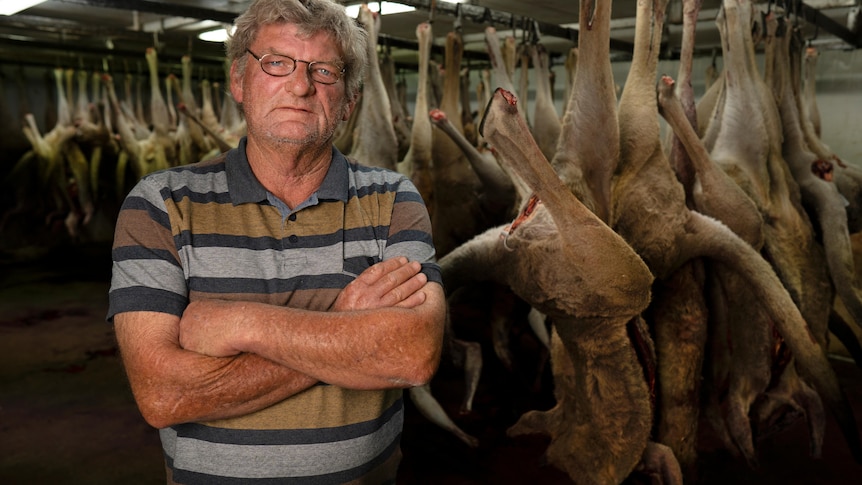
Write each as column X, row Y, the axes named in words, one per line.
column 417, row 165
column 678, row 314
column 739, row 372
column 502, row 66
column 154, row 151
column 846, row 176
column 599, row 378
column 497, row 195
column 651, row 214
column 819, row 193
column 457, row 212
column 559, row 257
column 374, row 140
column 809, row 110
column 400, row 119
column 468, row 123
column 201, row 146
column 417, row 162
column 497, row 199
column 50, row 154
column 814, row 174
column 546, row 121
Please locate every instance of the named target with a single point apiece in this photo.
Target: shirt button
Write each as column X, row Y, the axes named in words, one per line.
column 292, row 217
column 293, row 238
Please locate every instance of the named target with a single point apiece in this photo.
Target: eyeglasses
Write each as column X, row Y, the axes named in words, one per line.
column 280, row 65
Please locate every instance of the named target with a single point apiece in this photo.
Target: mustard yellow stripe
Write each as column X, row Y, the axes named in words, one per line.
column 318, row 407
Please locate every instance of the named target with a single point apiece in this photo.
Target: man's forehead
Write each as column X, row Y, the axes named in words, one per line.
column 284, row 34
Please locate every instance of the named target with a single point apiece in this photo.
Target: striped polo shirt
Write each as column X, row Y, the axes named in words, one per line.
column 211, row 230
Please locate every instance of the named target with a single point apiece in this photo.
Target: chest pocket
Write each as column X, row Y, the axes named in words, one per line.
column 341, row 257
column 291, row 266
column 360, row 255
column 355, row 266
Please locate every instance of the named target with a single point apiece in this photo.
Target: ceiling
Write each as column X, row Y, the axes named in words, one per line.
column 114, row 34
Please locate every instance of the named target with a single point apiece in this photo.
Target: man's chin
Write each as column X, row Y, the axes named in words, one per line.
column 291, row 138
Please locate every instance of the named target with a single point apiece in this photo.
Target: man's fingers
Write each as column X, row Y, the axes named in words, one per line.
column 405, row 290
column 416, row 299
column 402, row 274
column 388, row 275
column 382, row 269
column 385, row 284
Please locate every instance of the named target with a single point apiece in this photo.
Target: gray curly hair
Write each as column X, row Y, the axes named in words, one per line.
column 311, row 17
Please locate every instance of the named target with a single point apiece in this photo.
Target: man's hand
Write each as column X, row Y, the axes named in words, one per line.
column 392, row 283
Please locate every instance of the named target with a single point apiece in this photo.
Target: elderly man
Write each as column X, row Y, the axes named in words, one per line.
column 271, row 304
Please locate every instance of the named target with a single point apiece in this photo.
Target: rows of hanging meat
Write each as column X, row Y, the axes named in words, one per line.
column 675, row 280
column 102, row 124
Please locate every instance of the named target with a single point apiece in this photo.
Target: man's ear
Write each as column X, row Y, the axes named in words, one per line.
column 236, row 82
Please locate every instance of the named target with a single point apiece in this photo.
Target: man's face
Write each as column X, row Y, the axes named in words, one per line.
column 290, row 109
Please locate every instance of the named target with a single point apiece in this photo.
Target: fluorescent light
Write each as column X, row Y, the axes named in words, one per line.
column 387, row 8
column 11, row 7
column 218, row 35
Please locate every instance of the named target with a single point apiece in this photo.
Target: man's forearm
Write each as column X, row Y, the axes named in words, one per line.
column 173, row 385
column 369, row 349
column 362, row 349
column 230, row 387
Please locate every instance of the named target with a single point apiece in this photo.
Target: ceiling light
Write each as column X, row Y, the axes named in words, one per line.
column 218, row 35
column 385, row 7
column 11, row 7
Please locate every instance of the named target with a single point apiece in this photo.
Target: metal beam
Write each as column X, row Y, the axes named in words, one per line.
column 14, row 51
column 485, row 15
column 821, row 21
column 161, row 8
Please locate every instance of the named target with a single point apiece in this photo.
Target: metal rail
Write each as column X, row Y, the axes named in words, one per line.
column 484, row 15
column 816, row 18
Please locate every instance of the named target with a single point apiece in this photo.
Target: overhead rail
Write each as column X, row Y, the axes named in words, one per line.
column 819, row 20
column 162, row 8
column 484, row 15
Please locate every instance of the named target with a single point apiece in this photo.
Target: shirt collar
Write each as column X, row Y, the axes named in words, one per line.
column 244, row 187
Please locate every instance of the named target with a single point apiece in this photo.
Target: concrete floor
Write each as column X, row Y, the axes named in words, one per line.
column 67, row 416
column 66, row 412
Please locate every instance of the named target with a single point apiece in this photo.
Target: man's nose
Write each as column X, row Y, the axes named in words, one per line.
column 299, row 81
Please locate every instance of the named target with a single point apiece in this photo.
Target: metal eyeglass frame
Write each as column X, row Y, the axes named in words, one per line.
column 339, row 73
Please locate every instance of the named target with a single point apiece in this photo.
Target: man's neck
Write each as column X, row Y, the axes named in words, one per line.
column 290, row 174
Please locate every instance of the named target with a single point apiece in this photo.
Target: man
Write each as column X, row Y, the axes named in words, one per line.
column 271, row 304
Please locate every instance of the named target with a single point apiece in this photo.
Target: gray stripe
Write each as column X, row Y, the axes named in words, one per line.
column 169, row 441
column 412, row 250
column 272, row 461
column 214, row 262
column 364, row 178
column 152, row 273
column 196, row 182
column 148, row 189
column 356, row 249
column 227, row 262
column 209, row 182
